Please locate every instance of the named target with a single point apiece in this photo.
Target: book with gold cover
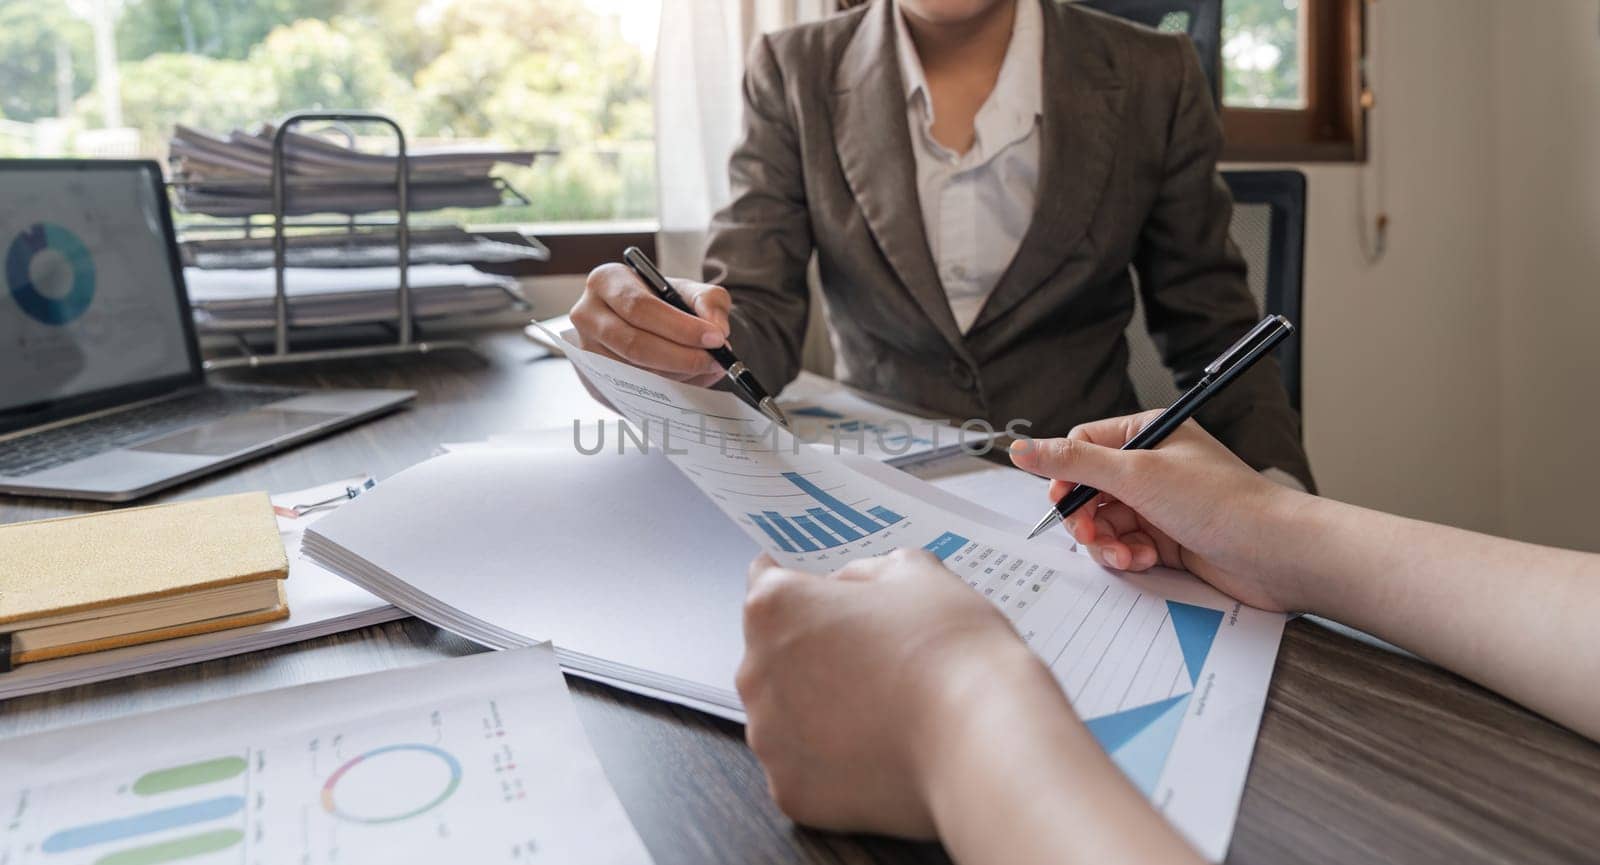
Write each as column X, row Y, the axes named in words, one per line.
column 119, row 578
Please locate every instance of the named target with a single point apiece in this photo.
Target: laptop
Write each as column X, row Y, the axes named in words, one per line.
column 102, row 393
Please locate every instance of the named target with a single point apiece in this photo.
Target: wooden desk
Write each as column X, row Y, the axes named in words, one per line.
column 1363, row 756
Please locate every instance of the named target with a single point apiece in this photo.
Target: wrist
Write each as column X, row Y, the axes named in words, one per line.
column 1012, row 775
column 1271, row 551
column 1289, row 536
column 988, row 699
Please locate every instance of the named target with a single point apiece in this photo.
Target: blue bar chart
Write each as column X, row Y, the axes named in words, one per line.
column 827, row 521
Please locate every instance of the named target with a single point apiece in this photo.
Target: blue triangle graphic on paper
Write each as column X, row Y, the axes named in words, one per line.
column 1197, row 629
column 1143, row 757
column 1114, row 731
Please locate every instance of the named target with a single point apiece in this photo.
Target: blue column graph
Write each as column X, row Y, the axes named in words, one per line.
column 830, row 523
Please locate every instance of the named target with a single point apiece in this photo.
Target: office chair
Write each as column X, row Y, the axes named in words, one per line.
column 1269, row 218
column 1201, row 19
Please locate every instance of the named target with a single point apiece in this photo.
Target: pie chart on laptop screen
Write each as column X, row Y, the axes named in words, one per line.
column 50, row 273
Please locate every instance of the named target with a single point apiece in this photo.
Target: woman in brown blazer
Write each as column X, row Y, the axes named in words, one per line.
column 979, row 181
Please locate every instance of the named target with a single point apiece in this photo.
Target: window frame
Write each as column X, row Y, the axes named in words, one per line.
column 575, row 247
column 1332, row 125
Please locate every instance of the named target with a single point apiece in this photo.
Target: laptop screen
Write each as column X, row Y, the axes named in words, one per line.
column 89, row 299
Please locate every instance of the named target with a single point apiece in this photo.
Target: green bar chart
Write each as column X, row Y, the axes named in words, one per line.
column 188, row 775
column 176, row 849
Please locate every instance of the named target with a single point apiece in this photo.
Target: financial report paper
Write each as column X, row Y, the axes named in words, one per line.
column 478, row 759
column 1169, row 674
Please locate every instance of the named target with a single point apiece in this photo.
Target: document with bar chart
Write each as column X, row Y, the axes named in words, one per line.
column 478, row 759
column 823, row 411
column 1170, row 675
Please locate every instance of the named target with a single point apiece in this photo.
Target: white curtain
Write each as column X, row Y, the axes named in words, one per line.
column 700, row 55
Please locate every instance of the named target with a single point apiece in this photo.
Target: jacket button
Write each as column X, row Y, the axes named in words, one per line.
column 961, row 375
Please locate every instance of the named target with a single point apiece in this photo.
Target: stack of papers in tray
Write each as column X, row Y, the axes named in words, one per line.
column 228, row 300
column 442, row 245
column 320, row 603
column 231, row 175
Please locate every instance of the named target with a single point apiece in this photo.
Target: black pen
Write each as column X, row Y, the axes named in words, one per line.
column 1256, row 344
column 743, row 379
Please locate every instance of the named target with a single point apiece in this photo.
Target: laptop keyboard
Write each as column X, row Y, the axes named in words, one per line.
column 49, row 448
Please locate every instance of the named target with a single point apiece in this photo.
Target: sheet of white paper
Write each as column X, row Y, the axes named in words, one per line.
column 478, row 759
column 543, row 333
column 320, row 603
column 1009, row 491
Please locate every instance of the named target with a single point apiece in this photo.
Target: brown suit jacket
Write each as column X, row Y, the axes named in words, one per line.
column 1129, row 145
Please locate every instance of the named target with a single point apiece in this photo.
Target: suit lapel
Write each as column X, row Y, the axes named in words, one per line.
column 873, row 140
column 1077, row 149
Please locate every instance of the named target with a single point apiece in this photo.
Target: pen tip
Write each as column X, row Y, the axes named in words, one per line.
column 770, row 408
column 1044, row 525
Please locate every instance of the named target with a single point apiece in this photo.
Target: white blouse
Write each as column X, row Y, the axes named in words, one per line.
column 977, row 205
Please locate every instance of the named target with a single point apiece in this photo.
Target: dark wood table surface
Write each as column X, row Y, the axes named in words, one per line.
column 1364, row 756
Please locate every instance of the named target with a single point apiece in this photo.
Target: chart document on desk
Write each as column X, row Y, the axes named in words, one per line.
column 413, row 770
column 1169, row 674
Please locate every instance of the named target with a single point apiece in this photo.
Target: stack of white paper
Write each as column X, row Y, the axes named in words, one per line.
column 227, row 300
column 370, row 248
column 230, row 176
column 616, row 559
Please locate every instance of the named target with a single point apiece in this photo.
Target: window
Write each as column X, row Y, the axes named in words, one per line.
column 1261, row 53
column 112, row 78
column 1291, row 87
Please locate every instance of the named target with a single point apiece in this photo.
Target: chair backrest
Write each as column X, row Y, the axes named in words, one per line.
column 1201, row 19
column 1269, row 218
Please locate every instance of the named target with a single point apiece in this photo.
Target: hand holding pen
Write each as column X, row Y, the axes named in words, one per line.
column 619, row 316
column 677, row 330
column 1161, row 507
column 1223, row 371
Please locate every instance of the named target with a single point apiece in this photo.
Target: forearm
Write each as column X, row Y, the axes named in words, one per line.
column 1016, row 778
column 1514, row 617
